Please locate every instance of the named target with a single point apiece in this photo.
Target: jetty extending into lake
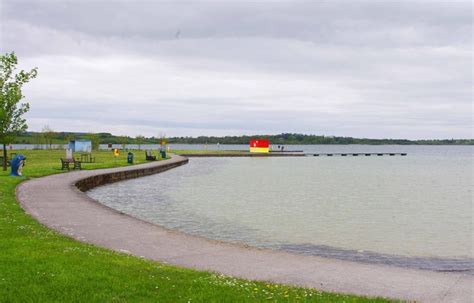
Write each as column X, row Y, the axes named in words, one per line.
column 356, row 154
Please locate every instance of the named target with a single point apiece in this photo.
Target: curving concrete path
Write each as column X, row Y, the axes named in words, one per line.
column 56, row 202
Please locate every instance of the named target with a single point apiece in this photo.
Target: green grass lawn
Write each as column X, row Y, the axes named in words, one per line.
column 40, row 265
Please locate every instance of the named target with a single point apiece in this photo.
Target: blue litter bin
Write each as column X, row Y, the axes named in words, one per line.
column 17, row 164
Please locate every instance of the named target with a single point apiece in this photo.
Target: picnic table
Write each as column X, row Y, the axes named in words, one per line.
column 87, row 158
column 65, row 164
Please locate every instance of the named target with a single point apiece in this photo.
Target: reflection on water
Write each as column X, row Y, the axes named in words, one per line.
column 411, row 211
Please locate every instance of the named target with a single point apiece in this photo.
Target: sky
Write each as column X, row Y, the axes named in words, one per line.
column 372, row 69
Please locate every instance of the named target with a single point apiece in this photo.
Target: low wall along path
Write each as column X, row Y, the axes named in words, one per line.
column 56, row 202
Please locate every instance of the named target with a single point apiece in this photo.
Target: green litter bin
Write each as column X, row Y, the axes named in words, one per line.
column 163, row 154
column 130, row 158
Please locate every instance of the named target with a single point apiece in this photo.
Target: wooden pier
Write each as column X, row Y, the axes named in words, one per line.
column 355, row 154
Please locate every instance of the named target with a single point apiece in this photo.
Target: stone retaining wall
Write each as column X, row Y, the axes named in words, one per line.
column 97, row 180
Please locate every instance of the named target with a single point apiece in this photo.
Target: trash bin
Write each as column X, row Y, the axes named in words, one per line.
column 163, row 154
column 130, row 158
column 17, row 165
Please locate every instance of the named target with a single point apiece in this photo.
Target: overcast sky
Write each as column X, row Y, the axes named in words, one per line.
column 377, row 69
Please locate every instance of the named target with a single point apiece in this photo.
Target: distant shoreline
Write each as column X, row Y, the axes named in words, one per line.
column 288, row 148
column 39, row 138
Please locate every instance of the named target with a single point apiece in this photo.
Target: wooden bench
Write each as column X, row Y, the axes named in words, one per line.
column 65, row 163
column 87, row 158
column 149, row 156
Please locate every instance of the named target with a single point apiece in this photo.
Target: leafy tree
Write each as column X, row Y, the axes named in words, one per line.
column 94, row 140
column 68, row 138
column 11, row 110
column 162, row 137
column 48, row 135
column 37, row 140
column 139, row 139
column 122, row 140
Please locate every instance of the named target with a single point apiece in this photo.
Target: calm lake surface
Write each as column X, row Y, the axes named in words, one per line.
column 413, row 211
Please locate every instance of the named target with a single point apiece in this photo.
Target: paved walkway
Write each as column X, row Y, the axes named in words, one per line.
column 55, row 202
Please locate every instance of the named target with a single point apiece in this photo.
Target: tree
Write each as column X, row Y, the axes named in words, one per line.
column 122, row 140
column 94, row 140
column 68, row 138
column 48, row 135
column 139, row 139
column 37, row 140
column 162, row 137
column 11, row 110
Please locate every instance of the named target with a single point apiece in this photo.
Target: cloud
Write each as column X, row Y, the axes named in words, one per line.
column 367, row 69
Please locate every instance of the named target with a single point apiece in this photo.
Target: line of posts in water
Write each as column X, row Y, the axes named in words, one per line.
column 356, row 154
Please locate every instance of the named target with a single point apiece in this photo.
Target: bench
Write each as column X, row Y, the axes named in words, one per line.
column 149, row 156
column 87, row 158
column 66, row 162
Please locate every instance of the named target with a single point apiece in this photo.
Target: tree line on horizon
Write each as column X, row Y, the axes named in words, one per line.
column 48, row 137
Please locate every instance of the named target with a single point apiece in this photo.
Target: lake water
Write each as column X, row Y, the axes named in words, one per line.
column 413, row 211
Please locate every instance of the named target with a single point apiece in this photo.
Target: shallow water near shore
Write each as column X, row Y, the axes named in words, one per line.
column 413, row 211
